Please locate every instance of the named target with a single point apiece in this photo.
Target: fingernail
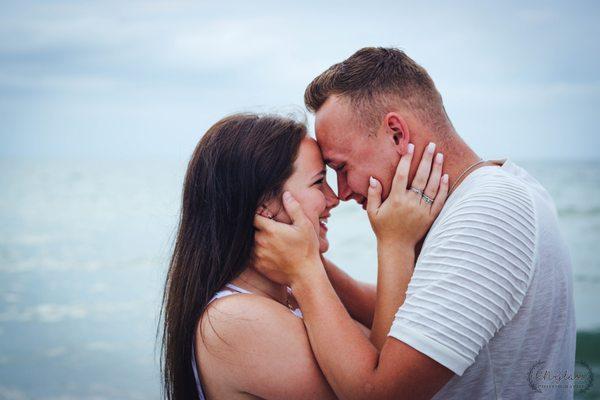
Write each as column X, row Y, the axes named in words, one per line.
column 410, row 148
column 372, row 182
column 287, row 196
column 439, row 158
column 445, row 178
column 431, row 147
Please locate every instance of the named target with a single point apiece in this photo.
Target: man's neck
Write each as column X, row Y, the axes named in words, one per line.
column 458, row 157
column 456, row 163
column 257, row 283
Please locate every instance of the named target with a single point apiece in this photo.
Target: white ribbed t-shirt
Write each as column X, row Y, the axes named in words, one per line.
column 491, row 294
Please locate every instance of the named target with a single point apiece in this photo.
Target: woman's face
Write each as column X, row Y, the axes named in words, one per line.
column 308, row 185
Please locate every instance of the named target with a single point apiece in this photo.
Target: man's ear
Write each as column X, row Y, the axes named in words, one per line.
column 397, row 130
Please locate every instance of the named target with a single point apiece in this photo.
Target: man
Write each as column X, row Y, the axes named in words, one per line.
column 491, row 292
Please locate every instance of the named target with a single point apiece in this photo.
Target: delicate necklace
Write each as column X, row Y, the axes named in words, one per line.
column 481, row 160
column 286, row 298
column 288, row 292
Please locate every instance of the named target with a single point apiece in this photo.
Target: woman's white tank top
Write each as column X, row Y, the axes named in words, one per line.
column 231, row 289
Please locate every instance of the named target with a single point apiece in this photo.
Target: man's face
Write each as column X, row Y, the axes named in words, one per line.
column 352, row 153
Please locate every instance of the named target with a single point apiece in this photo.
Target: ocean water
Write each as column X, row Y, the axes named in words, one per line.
column 84, row 247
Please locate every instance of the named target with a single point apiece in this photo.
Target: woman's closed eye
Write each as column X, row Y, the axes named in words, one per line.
column 319, row 182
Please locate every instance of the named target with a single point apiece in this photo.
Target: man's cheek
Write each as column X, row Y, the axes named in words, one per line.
column 360, row 186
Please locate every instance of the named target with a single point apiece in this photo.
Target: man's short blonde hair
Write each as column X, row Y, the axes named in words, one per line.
column 375, row 80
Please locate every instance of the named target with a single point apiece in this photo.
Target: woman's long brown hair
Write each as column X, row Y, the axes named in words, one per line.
column 241, row 161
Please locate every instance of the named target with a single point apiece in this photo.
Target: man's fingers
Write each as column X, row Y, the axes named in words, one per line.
column 373, row 196
column 420, row 179
column 440, row 198
column 401, row 177
column 292, row 207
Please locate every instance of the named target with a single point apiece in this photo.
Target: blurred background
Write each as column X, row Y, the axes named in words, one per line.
column 102, row 103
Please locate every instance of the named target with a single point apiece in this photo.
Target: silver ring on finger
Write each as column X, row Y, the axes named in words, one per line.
column 427, row 199
column 418, row 191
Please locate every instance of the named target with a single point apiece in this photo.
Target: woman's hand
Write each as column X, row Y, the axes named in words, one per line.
column 405, row 216
column 285, row 251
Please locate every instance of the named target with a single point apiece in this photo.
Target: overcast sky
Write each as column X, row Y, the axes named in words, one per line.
column 145, row 79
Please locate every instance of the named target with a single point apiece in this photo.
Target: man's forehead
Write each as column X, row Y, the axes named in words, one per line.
column 333, row 127
column 334, row 154
column 333, row 113
column 331, row 145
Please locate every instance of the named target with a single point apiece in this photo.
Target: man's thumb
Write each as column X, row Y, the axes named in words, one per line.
column 292, row 207
column 373, row 196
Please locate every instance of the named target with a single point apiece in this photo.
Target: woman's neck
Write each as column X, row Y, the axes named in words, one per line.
column 257, row 283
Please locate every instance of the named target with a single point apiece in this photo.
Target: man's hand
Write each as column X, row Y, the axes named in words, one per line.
column 283, row 252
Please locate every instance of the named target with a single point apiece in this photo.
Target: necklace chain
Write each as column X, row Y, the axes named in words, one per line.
column 288, row 292
column 481, row 160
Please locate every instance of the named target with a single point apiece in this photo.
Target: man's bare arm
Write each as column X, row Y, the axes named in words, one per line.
column 358, row 297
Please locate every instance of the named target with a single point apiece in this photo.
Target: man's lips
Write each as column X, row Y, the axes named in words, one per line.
column 363, row 203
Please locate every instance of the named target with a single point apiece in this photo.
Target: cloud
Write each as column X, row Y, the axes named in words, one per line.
column 146, row 78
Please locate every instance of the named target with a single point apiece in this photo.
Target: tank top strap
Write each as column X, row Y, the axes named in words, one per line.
column 237, row 288
column 231, row 289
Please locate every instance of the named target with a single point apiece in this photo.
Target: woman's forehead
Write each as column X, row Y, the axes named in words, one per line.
column 309, row 159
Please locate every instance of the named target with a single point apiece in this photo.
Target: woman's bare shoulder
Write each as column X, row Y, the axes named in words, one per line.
column 260, row 347
column 238, row 315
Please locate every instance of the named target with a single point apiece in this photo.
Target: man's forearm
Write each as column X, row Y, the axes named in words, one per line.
column 395, row 266
column 358, row 297
column 345, row 355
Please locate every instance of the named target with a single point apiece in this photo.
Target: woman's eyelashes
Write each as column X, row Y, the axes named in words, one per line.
column 322, row 177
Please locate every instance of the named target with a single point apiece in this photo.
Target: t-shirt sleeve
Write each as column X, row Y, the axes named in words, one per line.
column 471, row 276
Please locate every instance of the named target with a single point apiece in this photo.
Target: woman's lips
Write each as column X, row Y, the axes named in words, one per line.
column 323, row 226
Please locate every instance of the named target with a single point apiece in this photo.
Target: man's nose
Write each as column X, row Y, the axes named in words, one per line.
column 344, row 191
column 330, row 197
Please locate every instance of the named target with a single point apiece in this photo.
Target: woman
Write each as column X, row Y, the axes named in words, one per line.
column 251, row 345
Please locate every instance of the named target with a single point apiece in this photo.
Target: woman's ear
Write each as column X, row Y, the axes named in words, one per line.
column 397, row 129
